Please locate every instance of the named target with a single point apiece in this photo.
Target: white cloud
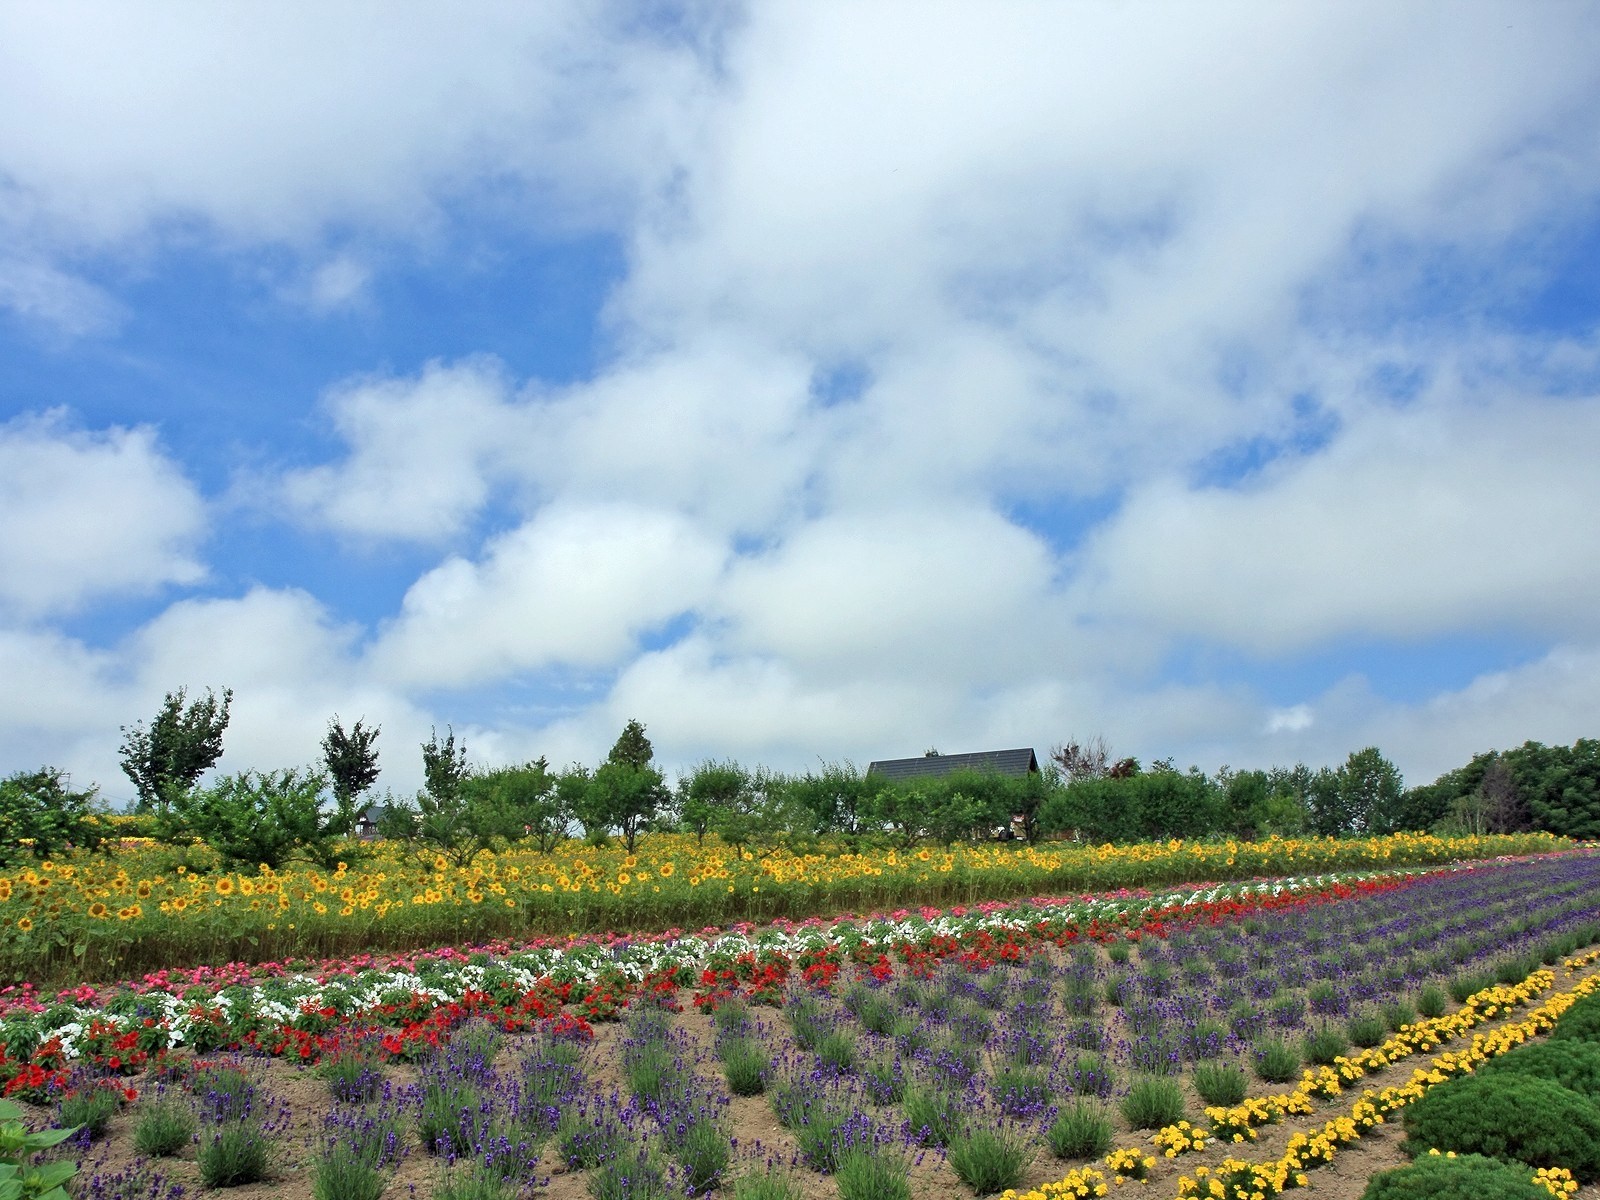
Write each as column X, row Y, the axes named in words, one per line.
column 90, row 515
column 572, row 586
column 421, row 453
column 338, row 283
column 45, row 295
column 1412, row 524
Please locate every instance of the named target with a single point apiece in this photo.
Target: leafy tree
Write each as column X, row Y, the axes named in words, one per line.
column 632, row 747
column 41, row 814
column 352, row 761
column 710, row 791
column 572, row 795
column 181, row 744
column 517, row 802
column 836, row 798
column 440, row 820
column 623, row 797
column 765, row 815
column 260, row 817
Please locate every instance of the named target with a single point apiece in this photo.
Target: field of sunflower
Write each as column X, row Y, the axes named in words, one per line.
column 145, row 905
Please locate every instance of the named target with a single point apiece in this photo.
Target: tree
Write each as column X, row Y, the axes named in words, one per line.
column 623, row 797
column 1504, row 809
column 258, row 817
column 710, row 791
column 181, row 744
column 516, row 802
column 352, row 762
column 442, row 819
column 41, row 815
column 1372, row 789
column 632, row 747
column 1086, row 761
column 834, row 798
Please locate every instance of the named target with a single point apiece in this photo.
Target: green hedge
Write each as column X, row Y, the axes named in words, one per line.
column 1574, row 1065
column 1509, row 1117
column 1465, row 1177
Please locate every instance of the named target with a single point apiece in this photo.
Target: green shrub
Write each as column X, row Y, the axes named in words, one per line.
column 1080, row 1131
column 1466, row 985
column 746, row 1066
column 1221, row 1084
column 90, row 1108
column 1325, row 1045
column 769, row 1185
column 1465, row 1177
column 704, row 1154
column 933, row 1115
column 1581, row 1022
column 1509, row 1117
column 872, row 1174
column 164, row 1128
column 1574, row 1065
column 988, row 1160
column 1153, row 1102
column 1431, row 1001
column 1276, row 1061
column 233, row 1155
column 1366, row 1030
column 1398, row 1014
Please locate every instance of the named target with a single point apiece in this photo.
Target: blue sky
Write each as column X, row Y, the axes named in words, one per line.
column 810, row 381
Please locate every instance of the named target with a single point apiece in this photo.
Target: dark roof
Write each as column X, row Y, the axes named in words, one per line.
column 1001, row 762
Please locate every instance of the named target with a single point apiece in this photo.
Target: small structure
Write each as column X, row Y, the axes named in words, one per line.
column 367, row 822
column 1016, row 763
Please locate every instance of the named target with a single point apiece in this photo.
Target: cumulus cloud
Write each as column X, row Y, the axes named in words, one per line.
column 1412, row 523
column 572, row 586
column 422, row 452
column 91, row 515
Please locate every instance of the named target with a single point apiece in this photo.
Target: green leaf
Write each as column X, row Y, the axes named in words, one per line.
column 51, row 1137
column 79, row 949
column 52, row 1176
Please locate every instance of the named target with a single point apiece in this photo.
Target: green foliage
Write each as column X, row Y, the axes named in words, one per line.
column 1581, row 1022
column 1156, row 804
column 1362, row 796
column 1508, row 1116
column 704, row 1153
column 352, row 761
column 1080, row 1131
column 1220, row 1084
column 341, row 1173
column 1575, row 1065
column 182, row 743
column 18, row 1146
column 1554, row 788
column 709, row 791
column 1367, row 1029
column 872, row 1174
column 164, row 1128
column 771, row 1184
column 626, row 792
column 1153, row 1102
column 988, row 1160
column 836, row 797
column 1465, row 1177
column 90, row 1108
column 508, row 804
column 1276, row 1061
column 41, row 815
column 258, row 817
column 1431, row 1001
column 232, row 1155
column 1326, row 1044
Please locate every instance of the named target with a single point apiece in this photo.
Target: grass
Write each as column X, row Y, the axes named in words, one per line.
column 1080, row 1131
column 1276, row 1061
column 1152, row 1102
column 873, row 1174
column 164, row 1127
column 988, row 1160
column 1220, row 1084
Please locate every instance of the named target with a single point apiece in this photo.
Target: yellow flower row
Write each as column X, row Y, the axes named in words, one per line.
column 1237, row 1179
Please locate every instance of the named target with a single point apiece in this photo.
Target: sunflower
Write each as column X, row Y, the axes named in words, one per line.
column 98, row 910
column 25, row 924
column 665, row 870
column 225, row 886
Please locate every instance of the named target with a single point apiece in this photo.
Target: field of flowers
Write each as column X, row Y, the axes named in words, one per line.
column 1208, row 1042
column 146, row 905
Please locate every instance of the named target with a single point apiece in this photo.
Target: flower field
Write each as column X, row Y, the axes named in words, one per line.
column 1224, row 1041
column 96, row 916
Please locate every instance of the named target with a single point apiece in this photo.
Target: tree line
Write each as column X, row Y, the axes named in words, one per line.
column 255, row 817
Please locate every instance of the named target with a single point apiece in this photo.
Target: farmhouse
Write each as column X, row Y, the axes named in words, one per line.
column 1016, row 763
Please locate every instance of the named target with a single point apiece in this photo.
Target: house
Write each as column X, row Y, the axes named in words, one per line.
column 1016, row 763
column 367, row 822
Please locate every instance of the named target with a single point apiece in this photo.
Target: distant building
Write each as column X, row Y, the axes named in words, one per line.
column 1016, row 763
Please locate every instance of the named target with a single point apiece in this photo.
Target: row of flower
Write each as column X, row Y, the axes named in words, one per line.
column 410, row 1002
column 99, row 916
column 1240, row 1179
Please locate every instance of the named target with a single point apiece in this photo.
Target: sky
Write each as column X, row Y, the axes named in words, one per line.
column 811, row 381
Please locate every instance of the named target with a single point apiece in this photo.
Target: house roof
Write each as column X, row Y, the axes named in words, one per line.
column 1001, row 762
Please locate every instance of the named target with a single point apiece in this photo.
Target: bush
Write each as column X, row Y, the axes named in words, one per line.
column 1581, row 1022
column 1465, row 1177
column 1081, row 1131
column 1431, row 1001
column 1276, row 1061
column 164, row 1128
column 869, row 1174
column 1153, row 1103
column 1509, row 1117
column 988, row 1160
column 1367, row 1029
column 40, row 815
column 1573, row 1065
column 1220, row 1084
column 1325, row 1045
